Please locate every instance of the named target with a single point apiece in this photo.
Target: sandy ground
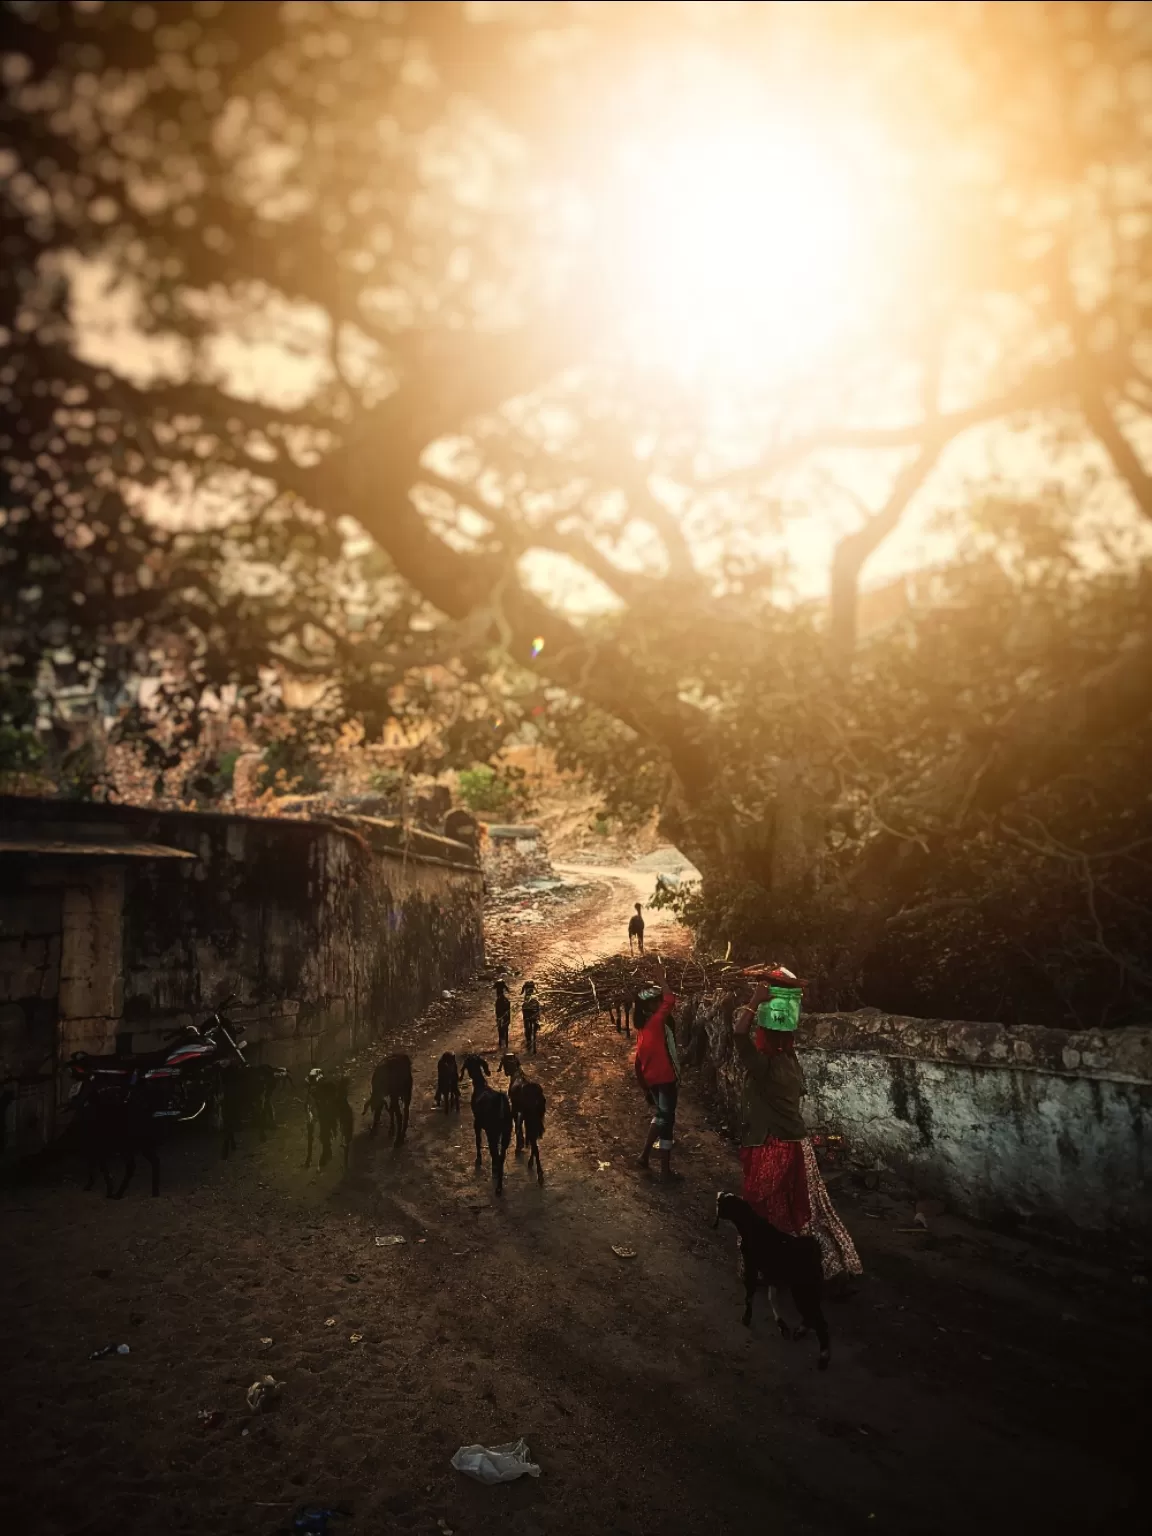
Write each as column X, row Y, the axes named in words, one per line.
column 978, row 1385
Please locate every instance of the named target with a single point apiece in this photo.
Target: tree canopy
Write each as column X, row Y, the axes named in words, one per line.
column 321, row 362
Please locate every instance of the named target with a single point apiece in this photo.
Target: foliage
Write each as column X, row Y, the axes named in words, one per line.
column 289, row 768
column 494, row 791
column 310, row 354
column 21, row 752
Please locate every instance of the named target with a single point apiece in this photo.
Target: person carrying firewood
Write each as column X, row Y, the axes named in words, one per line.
column 658, row 1070
column 782, row 1179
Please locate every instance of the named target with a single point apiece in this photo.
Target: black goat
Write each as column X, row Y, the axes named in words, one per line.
column 326, row 1108
column 491, row 1117
column 114, row 1122
column 503, row 1014
column 246, row 1095
column 636, row 930
column 392, row 1085
column 620, row 1012
column 448, row 1083
column 528, row 1106
column 530, row 1010
column 779, row 1259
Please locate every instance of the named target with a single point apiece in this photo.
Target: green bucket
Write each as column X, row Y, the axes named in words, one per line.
column 782, row 1010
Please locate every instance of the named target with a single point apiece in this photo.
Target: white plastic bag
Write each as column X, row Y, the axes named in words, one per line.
column 495, row 1464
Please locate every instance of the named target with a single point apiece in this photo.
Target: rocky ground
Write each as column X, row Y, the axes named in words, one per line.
column 978, row 1384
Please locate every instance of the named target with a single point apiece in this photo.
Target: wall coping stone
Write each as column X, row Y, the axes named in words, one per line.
column 391, row 839
column 1116, row 1055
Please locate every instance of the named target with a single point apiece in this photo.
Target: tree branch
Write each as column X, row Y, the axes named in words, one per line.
column 1043, row 386
column 853, row 551
column 519, row 538
column 1039, row 741
column 619, row 467
column 1124, row 457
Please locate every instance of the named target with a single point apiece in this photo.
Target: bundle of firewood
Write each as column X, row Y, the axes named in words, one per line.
column 576, row 989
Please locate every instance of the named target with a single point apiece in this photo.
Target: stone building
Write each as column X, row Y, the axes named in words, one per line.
column 118, row 922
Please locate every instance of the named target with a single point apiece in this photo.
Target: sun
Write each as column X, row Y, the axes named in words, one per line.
column 748, row 249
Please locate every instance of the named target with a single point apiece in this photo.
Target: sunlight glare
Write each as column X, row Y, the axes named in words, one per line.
column 744, row 251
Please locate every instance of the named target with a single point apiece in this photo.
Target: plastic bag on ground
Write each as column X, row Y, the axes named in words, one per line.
column 495, row 1464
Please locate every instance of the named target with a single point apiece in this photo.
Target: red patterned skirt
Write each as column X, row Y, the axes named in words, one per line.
column 782, row 1183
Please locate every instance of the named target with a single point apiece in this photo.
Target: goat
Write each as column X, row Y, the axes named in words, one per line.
column 246, row 1094
column 636, row 930
column 113, row 1122
column 326, row 1108
column 391, row 1085
column 503, row 1014
column 620, row 1012
column 779, row 1259
column 510, row 1065
column 528, row 1106
column 531, row 1014
column 491, row 1116
column 448, row 1083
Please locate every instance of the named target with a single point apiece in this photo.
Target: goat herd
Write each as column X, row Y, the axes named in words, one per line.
column 495, row 1114
column 121, row 1107
column 121, row 1110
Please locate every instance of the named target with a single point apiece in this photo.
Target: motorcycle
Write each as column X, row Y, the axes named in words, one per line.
column 180, row 1078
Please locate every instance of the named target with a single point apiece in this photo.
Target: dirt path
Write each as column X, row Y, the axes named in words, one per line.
column 976, row 1386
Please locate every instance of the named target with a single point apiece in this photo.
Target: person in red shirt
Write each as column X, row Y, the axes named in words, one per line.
column 658, row 1071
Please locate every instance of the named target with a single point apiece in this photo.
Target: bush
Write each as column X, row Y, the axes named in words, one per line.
column 289, row 768
column 496, row 792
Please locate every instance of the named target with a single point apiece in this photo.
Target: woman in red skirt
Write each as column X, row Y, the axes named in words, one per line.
column 782, row 1179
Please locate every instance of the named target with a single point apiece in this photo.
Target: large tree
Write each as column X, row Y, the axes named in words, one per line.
column 356, row 292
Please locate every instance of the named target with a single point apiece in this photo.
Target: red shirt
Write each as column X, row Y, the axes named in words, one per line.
column 653, row 1061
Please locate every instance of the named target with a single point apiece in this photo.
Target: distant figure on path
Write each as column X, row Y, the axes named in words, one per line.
column 658, row 1070
column 636, row 930
column 531, row 1013
column 782, row 1180
column 503, row 1013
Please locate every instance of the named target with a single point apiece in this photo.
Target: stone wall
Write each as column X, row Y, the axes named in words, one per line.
column 329, row 932
column 1044, row 1128
column 510, row 861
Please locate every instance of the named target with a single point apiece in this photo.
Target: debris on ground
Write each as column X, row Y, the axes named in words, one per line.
column 495, row 1464
column 109, row 1349
column 390, row 1242
column 527, row 903
column 623, row 1253
column 208, row 1418
column 926, row 1211
column 313, row 1519
column 355, row 1338
column 329, row 1322
column 262, row 1394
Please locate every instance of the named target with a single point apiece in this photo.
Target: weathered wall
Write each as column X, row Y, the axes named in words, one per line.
column 31, row 926
column 1045, row 1127
column 510, row 861
column 328, row 932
